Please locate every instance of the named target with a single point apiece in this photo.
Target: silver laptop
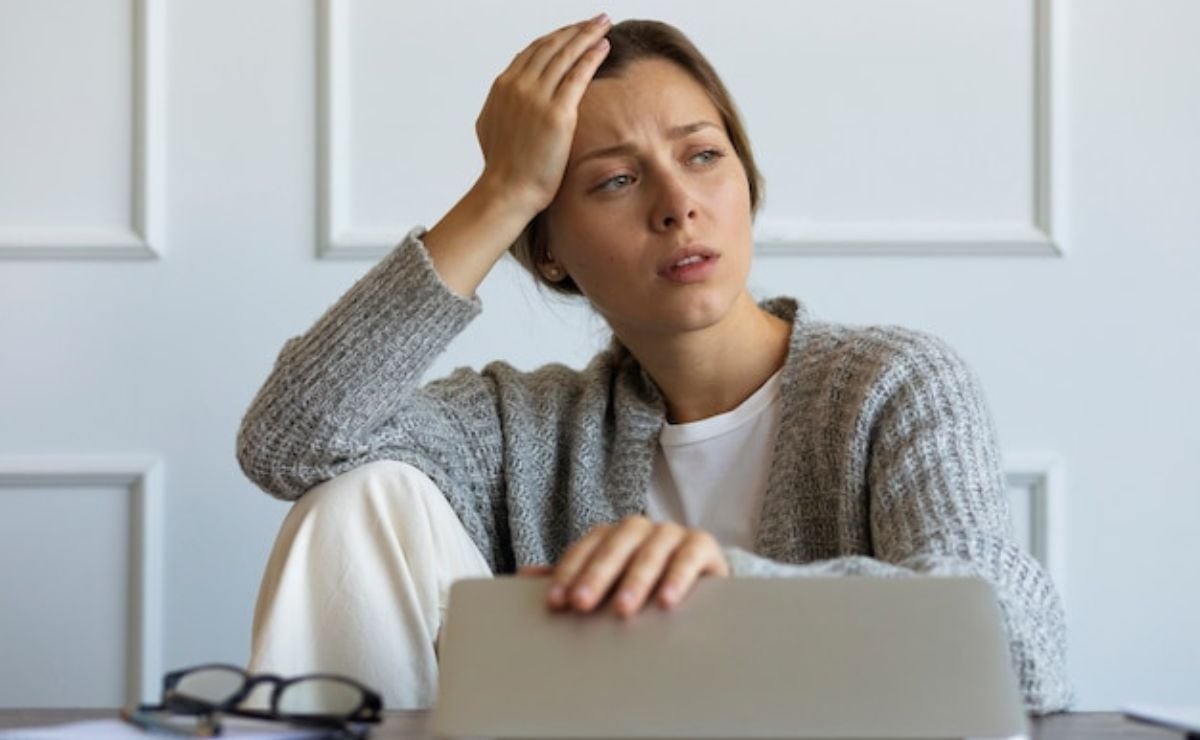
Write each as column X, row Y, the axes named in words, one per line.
column 847, row 657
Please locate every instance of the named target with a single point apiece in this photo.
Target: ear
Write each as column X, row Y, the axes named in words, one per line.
column 551, row 270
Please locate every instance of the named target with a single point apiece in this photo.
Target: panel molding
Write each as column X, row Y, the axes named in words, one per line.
column 1045, row 236
column 143, row 239
column 1042, row 480
column 335, row 239
column 142, row 477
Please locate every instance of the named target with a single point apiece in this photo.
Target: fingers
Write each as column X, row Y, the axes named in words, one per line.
column 521, row 61
column 699, row 555
column 562, row 48
column 574, row 83
column 641, row 556
column 562, row 584
column 588, row 570
column 647, row 567
column 577, row 59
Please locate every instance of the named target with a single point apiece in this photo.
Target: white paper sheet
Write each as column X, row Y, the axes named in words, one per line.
column 1183, row 718
column 115, row 729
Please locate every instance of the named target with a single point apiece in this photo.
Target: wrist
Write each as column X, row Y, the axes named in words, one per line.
column 492, row 194
column 474, row 234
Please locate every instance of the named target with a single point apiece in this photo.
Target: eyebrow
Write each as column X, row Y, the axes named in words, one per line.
column 675, row 132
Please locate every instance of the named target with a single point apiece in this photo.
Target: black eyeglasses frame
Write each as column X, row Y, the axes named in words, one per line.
column 368, row 710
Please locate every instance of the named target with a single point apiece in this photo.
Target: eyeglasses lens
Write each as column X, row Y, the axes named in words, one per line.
column 212, row 685
column 319, row 696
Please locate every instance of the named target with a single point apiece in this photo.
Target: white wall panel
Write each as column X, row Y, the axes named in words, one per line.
column 81, row 616
column 915, row 128
column 82, row 150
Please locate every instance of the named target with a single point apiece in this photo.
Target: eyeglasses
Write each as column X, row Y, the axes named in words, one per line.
column 315, row 699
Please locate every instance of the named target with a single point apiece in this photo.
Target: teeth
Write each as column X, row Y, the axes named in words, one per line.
column 689, row 261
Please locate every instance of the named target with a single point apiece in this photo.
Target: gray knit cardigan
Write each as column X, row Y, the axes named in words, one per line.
column 885, row 463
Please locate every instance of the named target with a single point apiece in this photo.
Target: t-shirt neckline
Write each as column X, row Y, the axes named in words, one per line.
column 676, row 435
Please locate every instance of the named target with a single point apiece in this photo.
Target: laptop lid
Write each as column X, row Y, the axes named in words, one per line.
column 850, row 657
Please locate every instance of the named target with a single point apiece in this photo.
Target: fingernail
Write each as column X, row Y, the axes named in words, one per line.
column 600, row 19
column 582, row 593
column 669, row 593
column 557, row 593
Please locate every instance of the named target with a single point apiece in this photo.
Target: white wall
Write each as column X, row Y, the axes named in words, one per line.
column 180, row 179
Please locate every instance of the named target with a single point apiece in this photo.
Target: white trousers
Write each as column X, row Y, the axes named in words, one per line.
column 358, row 580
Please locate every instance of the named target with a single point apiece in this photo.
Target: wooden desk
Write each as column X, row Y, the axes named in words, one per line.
column 415, row 725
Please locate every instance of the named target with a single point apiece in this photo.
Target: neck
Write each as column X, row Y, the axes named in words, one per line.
column 710, row 371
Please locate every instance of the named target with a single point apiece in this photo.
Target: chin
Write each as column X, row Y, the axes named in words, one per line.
column 703, row 315
column 695, row 311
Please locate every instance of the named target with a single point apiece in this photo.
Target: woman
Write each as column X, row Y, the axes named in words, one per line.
column 715, row 437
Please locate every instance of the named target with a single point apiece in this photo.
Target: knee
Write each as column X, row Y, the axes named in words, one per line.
column 380, row 474
column 373, row 492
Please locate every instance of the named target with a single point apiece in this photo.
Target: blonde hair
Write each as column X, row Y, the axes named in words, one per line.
column 631, row 41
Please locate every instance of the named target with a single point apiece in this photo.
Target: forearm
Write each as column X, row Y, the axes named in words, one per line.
column 474, row 234
column 357, row 366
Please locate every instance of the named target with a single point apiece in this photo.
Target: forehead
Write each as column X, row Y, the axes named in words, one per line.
column 651, row 94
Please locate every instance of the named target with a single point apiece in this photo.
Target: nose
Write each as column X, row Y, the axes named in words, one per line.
column 674, row 205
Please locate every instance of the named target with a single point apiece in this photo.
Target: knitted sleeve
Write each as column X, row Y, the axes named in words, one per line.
column 346, row 393
column 938, row 506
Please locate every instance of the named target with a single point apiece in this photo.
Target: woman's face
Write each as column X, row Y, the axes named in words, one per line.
column 652, row 220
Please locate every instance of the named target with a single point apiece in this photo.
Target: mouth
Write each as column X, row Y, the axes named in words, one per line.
column 688, row 264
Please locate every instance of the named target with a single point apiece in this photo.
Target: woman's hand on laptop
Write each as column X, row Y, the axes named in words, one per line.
column 635, row 559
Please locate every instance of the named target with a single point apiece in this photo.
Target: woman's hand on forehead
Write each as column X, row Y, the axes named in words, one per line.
column 528, row 120
column 635, row 560
column 525, row 130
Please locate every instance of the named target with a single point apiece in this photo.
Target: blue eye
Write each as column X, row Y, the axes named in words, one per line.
column 613, row 182
column 710, row 156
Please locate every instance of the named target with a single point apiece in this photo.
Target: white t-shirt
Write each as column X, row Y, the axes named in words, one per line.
column 711, row 474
